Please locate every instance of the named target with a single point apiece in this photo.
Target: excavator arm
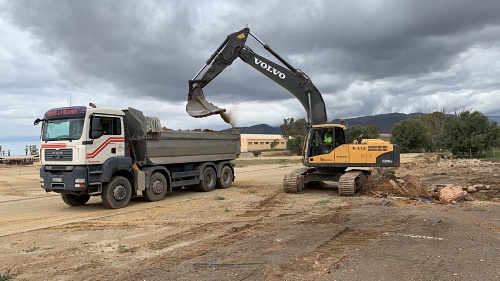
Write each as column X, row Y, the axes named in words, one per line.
column 295, row 81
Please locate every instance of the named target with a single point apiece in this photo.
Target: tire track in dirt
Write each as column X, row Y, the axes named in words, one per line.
column 329, row 255
column 208, row 239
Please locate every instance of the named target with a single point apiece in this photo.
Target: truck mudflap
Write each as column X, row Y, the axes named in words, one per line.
column 62, row 178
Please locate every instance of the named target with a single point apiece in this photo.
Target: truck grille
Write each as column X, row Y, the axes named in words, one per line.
column 58, row 154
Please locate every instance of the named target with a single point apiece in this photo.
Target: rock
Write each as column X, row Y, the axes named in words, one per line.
column 471, row 189
column 413, row 180
column 451, row 193
column 393, row 183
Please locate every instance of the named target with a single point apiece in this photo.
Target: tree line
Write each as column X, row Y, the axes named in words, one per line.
column 440, row 131
column 435, row 131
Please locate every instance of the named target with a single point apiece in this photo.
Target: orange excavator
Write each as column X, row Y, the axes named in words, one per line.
column 326, row 154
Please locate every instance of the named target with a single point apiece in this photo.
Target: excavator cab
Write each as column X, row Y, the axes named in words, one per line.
column 323, row 140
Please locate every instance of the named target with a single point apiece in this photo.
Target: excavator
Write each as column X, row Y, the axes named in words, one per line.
column 326, row 155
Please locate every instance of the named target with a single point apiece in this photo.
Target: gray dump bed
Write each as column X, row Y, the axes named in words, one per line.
column 154, row 146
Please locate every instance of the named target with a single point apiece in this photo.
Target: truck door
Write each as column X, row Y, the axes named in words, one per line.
column 109, row 143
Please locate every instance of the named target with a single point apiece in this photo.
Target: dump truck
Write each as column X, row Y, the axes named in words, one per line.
column 121, row 154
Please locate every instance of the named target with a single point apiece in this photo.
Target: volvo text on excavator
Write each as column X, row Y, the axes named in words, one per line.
column 325, row 158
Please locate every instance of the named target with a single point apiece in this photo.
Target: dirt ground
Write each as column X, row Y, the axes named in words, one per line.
column 255, row 231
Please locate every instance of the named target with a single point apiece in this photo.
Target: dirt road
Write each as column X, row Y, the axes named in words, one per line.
column 252, row 231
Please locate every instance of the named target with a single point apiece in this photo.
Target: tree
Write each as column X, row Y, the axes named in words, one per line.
column 368, row 132
column 295, row 144
column 274, row 143
column 435, row 122
column 469, row 131
column 292, row 127
column 294, row 131
column 410, row 134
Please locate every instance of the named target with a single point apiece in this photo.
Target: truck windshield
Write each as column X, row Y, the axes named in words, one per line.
column 62, row 129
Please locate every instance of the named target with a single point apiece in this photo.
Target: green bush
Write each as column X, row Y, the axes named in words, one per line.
column 256, row 153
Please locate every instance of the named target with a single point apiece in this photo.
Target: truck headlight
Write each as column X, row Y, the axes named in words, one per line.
column 80, row 183
column 41, row 182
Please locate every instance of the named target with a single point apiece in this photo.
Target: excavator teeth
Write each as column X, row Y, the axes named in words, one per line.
column 198, row 107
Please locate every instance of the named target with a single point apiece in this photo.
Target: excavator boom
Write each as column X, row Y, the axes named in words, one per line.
column 295, row 81
column 224, row 56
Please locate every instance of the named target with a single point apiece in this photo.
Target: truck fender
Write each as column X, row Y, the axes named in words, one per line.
column 150, row 170
column 114, row 165
column 202, row 166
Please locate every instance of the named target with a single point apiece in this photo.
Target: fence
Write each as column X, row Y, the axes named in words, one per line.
column 493, row 153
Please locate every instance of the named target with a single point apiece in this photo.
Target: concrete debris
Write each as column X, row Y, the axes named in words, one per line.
column 479, row 187
column 451, row 193
column 471, row 189
column 393, row 183
column 481, row 184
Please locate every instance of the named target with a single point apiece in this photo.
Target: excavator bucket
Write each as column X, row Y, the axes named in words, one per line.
column 198, row 107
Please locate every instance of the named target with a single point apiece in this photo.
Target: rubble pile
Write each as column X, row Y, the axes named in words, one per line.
column 384, row 185
column 478, row 179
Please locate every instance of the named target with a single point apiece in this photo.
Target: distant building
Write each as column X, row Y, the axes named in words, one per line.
column 251, row 142
column 19, row 160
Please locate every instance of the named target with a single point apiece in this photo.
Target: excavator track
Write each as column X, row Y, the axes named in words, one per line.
column 291, row 182
column 347, row 182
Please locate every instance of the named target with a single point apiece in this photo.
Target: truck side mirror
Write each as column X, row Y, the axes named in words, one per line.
column 96, row 127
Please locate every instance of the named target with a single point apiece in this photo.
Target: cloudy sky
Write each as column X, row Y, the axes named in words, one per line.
column 366, row 57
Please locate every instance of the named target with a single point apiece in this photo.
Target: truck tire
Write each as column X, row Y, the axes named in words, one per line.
column 75, row 200
column 226, row 177
column 208, row 180
column 117, row 193
column 157, row 188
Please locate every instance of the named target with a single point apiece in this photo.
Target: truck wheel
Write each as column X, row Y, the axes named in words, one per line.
column 208, row 180
column 117, row 193
column 226, row 177
column 75, row 200
column 157, row 188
